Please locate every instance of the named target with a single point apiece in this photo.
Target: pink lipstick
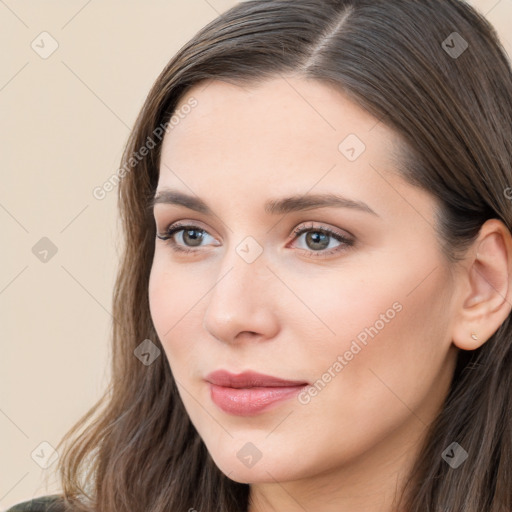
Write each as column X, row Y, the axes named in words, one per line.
column 249, row 393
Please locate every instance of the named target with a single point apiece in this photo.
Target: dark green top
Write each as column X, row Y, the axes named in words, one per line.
column 49, row 503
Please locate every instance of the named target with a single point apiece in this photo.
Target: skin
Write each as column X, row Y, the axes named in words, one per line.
column 290, row 314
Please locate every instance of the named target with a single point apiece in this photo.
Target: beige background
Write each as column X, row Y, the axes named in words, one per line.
column 64, row 121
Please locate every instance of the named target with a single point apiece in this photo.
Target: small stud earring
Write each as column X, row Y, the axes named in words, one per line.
column 474, row 336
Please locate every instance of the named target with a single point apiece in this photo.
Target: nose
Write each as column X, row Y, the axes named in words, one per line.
column 243, row 302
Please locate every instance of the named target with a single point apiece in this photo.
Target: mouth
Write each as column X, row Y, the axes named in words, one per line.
column 250, row 393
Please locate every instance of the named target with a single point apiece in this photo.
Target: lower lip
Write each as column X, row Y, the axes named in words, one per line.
column 250, row 401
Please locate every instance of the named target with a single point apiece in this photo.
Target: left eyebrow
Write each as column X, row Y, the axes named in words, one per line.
column 313, row 201
column 272, row 206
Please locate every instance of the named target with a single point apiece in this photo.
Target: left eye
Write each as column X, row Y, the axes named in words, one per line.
column 317, row 237
column 320, row 238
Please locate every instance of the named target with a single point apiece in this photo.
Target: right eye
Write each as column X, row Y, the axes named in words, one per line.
column 189, row 234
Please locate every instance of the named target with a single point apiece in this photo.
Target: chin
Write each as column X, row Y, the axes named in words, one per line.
column 263, row 471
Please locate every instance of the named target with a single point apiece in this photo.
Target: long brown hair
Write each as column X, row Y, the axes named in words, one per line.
column 436, row 73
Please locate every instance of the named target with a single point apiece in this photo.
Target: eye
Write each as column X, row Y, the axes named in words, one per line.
column 318, row 238
column 189, row 234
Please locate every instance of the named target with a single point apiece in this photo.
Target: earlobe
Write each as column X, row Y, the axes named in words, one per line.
column 487, row 300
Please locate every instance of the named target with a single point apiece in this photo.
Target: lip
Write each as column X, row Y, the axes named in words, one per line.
column 249, row 393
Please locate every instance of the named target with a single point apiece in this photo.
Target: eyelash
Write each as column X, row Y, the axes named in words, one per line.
column 177, row 227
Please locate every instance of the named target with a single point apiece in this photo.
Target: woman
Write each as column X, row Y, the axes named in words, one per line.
column 313, row 307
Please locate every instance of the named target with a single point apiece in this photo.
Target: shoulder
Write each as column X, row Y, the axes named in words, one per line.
column 49, row 503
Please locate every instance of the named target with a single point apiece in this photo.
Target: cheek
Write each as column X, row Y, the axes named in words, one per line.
column 162, row 297
column 171, row 291
column 175, row 307
column 400, row 373
column 387, row 322
column 395, row 354
column 167, row 300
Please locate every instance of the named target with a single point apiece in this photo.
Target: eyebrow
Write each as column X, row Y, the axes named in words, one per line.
column 273, row 206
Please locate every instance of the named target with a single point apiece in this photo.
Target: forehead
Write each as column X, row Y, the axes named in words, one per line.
column 285, row 108
column 283, row 123
column 281, row 137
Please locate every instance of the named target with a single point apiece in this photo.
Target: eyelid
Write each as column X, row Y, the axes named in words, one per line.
column 342, row 233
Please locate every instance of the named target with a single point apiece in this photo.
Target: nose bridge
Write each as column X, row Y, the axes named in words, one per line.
column 242, row 269
column 240, row 299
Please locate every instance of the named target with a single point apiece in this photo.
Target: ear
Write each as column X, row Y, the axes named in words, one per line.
column 486, row 297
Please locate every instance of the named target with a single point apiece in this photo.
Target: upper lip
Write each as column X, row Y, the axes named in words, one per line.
column 249, row 379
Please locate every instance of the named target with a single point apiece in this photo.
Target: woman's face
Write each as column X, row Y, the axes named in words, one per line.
column 361, row 312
